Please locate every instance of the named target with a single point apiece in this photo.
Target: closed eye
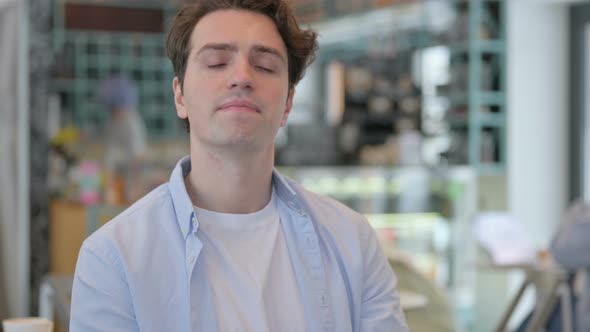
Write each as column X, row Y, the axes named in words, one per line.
column 265, row 69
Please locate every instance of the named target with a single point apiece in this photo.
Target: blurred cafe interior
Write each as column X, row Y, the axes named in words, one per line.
column 457, row 127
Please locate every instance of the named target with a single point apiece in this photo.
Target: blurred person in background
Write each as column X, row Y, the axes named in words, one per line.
column 125, row 135
column 229, row 244
column 571, row 250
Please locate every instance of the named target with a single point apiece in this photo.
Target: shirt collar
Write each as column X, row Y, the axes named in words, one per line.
column 180, row 198
column 183, row 205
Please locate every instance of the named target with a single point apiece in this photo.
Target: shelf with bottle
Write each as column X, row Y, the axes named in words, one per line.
column 485, row 98
column 475, row 96
column 480, row 46
column 490, row 143
column 486, row 119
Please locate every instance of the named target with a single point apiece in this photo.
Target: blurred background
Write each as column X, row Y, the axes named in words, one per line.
column 458, row 127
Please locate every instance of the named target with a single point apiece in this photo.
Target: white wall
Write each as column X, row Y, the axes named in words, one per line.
column 538, row 34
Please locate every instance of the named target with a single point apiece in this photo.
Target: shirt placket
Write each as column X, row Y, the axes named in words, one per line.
column 192, row 246
column 311, row 251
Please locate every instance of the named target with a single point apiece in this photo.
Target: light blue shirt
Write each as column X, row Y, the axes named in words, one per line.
column 135, row 273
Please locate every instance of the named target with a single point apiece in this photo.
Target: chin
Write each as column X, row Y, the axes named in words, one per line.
column 247, row 143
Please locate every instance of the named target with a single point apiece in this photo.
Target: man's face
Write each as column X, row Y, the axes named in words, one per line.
column 235, row 91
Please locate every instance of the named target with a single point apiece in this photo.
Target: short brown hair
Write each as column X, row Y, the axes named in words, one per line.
column 301, row 44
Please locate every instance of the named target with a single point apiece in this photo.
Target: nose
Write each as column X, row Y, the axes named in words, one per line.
column 241, row 74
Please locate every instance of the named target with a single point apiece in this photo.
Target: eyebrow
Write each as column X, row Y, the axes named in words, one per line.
column 217, row 47
column 234, row 48
column 270, row 50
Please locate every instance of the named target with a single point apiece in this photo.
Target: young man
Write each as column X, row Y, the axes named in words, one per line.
column 228, row 244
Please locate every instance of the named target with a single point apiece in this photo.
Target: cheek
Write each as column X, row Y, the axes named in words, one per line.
column 198, row 92
column 278, row 94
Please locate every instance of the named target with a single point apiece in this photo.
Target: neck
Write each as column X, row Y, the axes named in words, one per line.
column 224, row 182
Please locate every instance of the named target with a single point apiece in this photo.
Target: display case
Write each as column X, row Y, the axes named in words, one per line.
column 423, row 214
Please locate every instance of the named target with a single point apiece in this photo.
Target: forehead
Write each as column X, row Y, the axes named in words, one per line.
column 241, row 27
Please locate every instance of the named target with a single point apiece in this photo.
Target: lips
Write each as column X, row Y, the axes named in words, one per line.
column 239, row 105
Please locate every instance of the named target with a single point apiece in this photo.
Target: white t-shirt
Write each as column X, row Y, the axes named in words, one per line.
column 244, row 279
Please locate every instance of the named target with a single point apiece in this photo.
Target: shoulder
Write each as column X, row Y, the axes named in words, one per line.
column 343, row 232
column 331, row 214
column 136, row 222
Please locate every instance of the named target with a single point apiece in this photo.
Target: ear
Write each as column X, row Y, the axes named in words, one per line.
column 288, row 107
column 179, row 99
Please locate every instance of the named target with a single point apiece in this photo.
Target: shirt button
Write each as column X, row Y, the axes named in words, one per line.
column 191, row 259
column 323, row 301
column 310, row 242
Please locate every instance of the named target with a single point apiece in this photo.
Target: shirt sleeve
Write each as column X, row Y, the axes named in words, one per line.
column 380, row 308
column 101, row 300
